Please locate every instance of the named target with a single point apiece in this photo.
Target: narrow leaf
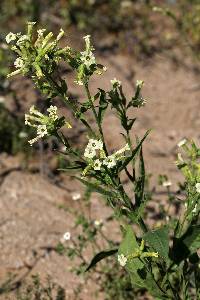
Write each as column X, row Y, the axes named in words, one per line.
column 95, row 187
column 101, row 255
column 103, row 104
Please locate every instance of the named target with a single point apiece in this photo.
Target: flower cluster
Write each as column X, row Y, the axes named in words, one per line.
column 39, row 54
column 33, row 54
column 115, row 83
column 44, row 124
column 87, row 56
column 87, row 63
column 92, row 147
column 97, row 158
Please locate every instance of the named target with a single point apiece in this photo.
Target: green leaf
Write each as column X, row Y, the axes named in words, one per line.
column 140, row 275
column 188, row 244
column 130, row 123
column 127, row 247
column 99, row 256
column 135, row 151
column 95, row 187
column 159, row 240
column 192, row 238
column 83, row 120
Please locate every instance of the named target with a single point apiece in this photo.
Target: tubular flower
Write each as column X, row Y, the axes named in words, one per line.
column 95, row 144
column 97, row 165
column 182, row 143
column 10, row 37
column 197, row 187
column 110, row 161
column 115, row 83
column 33, row 54
column 45, row 124
column 97, row 158
column 86, row 63
column 18, row 63
column 122, row 260
column 92, row 146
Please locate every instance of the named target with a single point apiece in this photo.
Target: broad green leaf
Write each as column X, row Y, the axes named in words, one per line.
column 127, row 247
column 159, row 240
column 95, row 187
column 192, row 238
column 140, row 276
column 101, row 255
column 188, row 244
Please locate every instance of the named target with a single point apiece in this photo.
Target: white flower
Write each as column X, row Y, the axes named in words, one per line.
column 139, row 83
column 95, row 144
column 122, row 260
column 97, row 223
column 76, row 196
column 88, row 58
column 31, row 142
column 115, row 82
column 194, row 209
column 89, row 152
column 122, row 150
column 110, row 161
column 60, row 35
column 87, row 37
column 66, row 237
column 18, row 63
column 182, row 143
column 42, row 130
column 167, row 183
column 31, row 23
column 79, row 82
column 40, row 32
column 10, row 37
column 97, row 165
column 22, row 135
column 22, row 39
column 53, row 112
column 180, row 158
column 197, row 187
column 34, row 111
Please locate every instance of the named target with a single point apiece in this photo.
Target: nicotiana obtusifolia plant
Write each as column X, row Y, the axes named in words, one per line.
column 163, row 261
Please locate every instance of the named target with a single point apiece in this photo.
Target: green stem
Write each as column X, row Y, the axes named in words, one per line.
column 96, row 116
column 142, row 225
